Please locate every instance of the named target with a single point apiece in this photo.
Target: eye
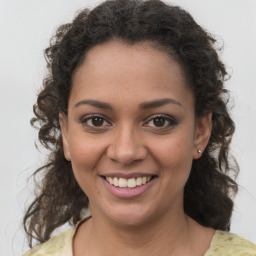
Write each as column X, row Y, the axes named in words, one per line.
column 161, row 121
column 95, row 121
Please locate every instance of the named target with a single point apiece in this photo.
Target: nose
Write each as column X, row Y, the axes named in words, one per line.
column 126, row 146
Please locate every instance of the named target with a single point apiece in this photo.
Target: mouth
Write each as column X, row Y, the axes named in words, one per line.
column 129, row 183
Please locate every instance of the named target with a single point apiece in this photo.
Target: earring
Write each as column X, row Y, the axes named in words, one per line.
column 199, row 151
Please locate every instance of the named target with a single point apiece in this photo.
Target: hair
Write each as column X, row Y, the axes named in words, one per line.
column 210, row 188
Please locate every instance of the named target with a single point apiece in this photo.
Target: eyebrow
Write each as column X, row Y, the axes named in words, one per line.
column 94, row 103
column 145, row 105
column 159, row 103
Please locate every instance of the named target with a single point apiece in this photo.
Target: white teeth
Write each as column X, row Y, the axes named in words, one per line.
column 131, row 183
column 122, row 183
column 128, row 183
column 110, row 180
column 115, row 181
column 139, row 181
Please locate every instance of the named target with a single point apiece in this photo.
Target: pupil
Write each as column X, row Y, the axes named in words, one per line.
column 97, row 121
column 159, row 121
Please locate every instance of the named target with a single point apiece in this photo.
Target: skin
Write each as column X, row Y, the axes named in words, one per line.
column 129, row 140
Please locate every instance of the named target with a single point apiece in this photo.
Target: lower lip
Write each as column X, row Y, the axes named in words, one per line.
column 128, row 192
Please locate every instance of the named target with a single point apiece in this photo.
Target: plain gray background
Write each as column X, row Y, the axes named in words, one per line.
column 25, row 30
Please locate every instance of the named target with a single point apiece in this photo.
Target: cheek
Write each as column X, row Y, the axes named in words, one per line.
column 82, row 156
column 175, row 154
column 85, row 151
column 85, row 156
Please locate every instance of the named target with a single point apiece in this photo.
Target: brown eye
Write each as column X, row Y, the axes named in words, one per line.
column 97, row 121
column 159, row 121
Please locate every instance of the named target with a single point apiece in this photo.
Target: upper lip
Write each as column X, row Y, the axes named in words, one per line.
column 127, row 175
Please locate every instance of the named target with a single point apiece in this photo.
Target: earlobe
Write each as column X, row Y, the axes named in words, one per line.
column 202, row 134
column 64, row 132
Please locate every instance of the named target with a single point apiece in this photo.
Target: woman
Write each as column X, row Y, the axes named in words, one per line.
column 134, row 113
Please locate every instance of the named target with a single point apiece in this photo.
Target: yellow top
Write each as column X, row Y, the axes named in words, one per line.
column 223, row 244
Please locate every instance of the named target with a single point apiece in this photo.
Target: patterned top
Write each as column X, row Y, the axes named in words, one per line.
column 223, row 244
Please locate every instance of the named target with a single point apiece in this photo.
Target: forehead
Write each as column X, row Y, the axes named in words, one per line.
column 116, row 52
column 140, row 69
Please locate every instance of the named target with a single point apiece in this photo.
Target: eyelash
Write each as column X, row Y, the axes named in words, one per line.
column 171, row 121
column 85, row 119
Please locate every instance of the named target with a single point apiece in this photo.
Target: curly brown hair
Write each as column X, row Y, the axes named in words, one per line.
column 210, row 187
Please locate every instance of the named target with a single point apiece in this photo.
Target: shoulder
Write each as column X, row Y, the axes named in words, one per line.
column 56, row 246
column 225, row 243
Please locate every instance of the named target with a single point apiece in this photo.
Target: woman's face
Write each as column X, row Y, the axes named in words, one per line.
column 131, row 133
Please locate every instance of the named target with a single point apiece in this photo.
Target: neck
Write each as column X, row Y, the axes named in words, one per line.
column 162, row 236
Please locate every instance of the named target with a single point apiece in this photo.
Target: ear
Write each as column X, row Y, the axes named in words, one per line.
column 202, row 134
column 64, row 132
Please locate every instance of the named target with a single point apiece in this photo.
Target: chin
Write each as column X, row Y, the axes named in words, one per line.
column 131, row 216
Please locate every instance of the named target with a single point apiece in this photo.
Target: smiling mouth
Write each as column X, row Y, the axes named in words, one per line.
column 128, row 183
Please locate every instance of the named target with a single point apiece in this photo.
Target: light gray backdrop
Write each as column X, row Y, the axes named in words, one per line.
column 25, row 29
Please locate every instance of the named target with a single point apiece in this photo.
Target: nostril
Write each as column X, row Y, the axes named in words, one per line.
column 126, row 146
column 125, row 154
